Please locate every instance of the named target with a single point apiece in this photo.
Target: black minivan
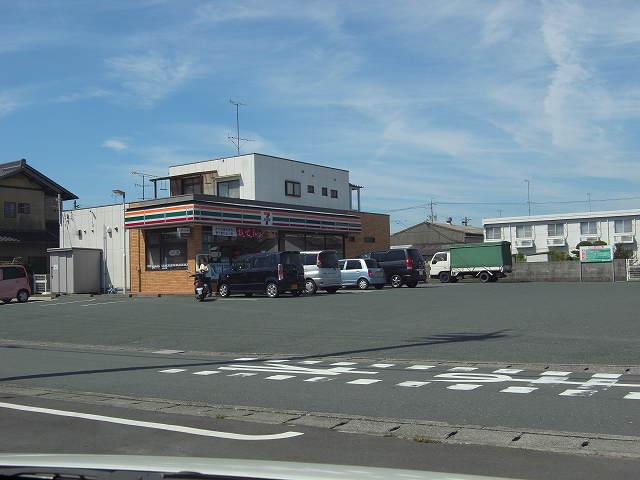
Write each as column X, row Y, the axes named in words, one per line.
column 403, row 266
column 272, row 273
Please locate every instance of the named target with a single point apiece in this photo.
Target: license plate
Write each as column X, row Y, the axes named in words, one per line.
column 378, row 274
column 294, row 286
column 420, row 271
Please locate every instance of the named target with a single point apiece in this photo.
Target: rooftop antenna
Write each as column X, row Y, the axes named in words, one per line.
column 465, row 221
column 236, row 140
column 144, row 180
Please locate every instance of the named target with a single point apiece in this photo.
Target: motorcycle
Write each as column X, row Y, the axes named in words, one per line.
column 200, row 285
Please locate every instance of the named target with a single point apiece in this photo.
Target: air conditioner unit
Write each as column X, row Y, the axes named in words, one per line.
column 623, row 238
column 589, row 239
column 555, row 242
column 524, row 243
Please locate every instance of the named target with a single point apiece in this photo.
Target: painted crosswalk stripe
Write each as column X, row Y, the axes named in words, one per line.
column 206, row 372
column 420, row 367
column 577, row 393
column 508, row 371
column 280, row 377
column 463, row 369
column 632, row 396
column 173, row 370
column 382, row 365
column 318, row 379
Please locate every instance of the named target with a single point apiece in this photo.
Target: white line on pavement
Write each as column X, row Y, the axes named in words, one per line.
column 157, row 426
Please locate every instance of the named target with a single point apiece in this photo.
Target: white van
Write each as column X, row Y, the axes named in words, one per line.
column 14, row 283
column 321, row 271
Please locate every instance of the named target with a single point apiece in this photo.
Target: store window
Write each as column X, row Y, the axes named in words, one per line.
column 192, row 185
column 165, row 250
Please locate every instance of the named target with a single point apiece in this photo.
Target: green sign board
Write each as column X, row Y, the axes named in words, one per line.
column 596, row 253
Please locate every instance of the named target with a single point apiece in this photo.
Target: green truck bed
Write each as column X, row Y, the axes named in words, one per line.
column 487, row 254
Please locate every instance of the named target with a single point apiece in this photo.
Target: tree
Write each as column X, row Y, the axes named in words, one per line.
column 621, row 252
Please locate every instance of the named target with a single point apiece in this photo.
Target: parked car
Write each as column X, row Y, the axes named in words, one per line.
column 321, row 271
column 403, row 266
column 362, row 272
column 14, row 283
column 272, row 273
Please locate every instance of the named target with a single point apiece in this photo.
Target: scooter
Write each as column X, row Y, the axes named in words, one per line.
column 200, row 286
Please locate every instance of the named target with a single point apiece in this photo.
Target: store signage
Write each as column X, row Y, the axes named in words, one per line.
column 225, row 231
column 596, row 253
column 184, row 232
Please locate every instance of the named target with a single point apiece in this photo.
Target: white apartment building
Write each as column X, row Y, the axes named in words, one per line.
column 535, row 235
column 265, row 178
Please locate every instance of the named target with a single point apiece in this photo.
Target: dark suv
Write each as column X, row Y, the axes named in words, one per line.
column 402, row 265
column 272, row 273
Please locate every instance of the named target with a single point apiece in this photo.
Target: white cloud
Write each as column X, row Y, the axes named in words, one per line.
column 117, row 144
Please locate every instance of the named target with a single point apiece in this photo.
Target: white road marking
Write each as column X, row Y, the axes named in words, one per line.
column 310, row 362
column 382, row 365
column 298, row 370
column 412, row 384
column 343, row 364
column 519, row 390
column 66, row 303
column 420, row 367
column 206, row 372
column 632, row 396
column 363, row 381
column 319, row 379
column 280, row 377
column 463, row 386
column 102, row 303
column 154, row 425
column 463, row 369
column 555, row 374
column 173, row 370
column 508, row 371
column 168, row 352
column 577, row 393
column 245, row 359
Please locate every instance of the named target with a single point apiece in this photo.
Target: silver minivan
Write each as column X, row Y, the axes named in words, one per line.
column 321, row 271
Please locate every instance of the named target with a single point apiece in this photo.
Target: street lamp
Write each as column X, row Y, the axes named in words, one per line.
column 124, row 241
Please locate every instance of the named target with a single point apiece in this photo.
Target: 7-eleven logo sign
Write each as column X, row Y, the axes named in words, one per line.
column 266, row 218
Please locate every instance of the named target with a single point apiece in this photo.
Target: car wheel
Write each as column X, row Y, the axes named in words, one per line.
column 311, row 286
column 332, row 289
column 23, row 296
column 223, row 290
column 378, row 287
column 445, row 277
column 272, row 290
column 412, row 284
column 6, row 300
column 363, row 284
column 396, row 281
column 485, row 277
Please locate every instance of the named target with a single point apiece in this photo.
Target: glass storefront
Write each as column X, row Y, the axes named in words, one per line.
column 166, row 250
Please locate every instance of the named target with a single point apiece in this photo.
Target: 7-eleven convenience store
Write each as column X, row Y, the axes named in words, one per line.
column 169, row 235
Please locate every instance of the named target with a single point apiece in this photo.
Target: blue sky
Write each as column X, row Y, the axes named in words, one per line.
column 458, row 103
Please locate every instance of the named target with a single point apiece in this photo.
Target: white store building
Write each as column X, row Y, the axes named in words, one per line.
column 535, row 235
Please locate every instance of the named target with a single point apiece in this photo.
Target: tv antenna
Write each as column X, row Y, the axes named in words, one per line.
column 236, row 140
column 432, row 216
column 144, row 181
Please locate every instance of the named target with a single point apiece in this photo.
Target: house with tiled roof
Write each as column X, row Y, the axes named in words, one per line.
column 30, row 220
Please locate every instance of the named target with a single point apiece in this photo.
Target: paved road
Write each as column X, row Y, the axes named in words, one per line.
column 523, row 357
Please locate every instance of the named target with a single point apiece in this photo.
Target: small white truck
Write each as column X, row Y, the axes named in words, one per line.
column 488, row 261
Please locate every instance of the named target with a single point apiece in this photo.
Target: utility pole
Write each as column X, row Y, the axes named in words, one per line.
column 236, row 140
column 589, row 196
column 432, row 217
column 528, row 197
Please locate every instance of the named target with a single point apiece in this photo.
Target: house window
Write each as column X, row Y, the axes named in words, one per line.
column 24, row 208
column 9, row 209
column 230, row 189
column 325, row 192
column 191, row 185
column 494, row 233
column 334, row 193
column 165, row 250
column 292, row 189
column 623, row 226
column 588, row 228
column 524, row 231
column 311, row 189
column 555, row 230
